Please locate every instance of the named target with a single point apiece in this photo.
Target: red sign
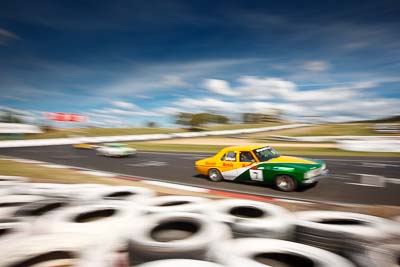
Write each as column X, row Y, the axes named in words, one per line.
column 60, row 116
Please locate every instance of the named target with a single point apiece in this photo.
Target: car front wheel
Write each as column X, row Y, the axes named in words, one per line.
column 285, row 183
column 215, row 175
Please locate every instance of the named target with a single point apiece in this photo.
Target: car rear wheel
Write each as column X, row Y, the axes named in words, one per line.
column 215, row 175
column 285, row 183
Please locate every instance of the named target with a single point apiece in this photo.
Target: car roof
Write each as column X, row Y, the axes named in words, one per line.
column 248, row 147
column 114, row 144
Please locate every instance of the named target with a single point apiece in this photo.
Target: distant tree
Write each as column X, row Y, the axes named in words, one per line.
column 151, row 124
column 198, row 119
column 9, row 117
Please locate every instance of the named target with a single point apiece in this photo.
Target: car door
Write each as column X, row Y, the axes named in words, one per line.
column 247, row 159
column 228, row 165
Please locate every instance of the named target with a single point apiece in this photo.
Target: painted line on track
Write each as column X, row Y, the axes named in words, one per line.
column 209, row 190
column 177, row 186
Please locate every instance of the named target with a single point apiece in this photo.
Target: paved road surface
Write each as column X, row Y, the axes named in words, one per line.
column 366, row 180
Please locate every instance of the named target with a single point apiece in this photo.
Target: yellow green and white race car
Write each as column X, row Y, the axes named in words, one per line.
column 262, row 164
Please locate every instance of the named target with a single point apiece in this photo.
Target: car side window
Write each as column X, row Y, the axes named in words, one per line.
column 229, row 156
column 246, row 156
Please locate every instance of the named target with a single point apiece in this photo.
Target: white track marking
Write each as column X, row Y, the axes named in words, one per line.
column 54, row 166
column 174, row 153
column 362, row 160
column 149, row 163
column 177, row 186
column 28, row 161
column 377, row 165
column 98, row 173
column 370, row 180
column 392, row 180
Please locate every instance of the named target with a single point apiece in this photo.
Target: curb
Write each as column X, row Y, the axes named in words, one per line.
column 294, row 204
column 148, row 181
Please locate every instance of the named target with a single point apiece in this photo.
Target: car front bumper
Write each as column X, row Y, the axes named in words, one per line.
column 316, row 178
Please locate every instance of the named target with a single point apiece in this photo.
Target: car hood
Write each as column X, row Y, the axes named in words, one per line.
column 289, row 159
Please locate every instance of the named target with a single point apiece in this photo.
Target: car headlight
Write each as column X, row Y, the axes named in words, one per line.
column 308, row 175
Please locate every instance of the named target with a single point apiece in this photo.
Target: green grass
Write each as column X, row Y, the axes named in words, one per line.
column 282, row 150
column 92, row 132
column 175, row 147
column 48, row 175
column 363, row 129
column 242, row 126
column 100, row 132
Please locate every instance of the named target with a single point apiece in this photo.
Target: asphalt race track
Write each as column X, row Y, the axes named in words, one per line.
column 363, row 180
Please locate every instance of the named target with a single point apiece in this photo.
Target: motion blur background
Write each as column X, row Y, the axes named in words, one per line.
column 135, row 64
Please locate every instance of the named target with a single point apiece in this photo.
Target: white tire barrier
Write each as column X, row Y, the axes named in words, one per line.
column 249, row 218
column 45, row 189
column 13, row 228
column 260, row 252
column 175, row 204
column 46, row 250
column 341, row 232
column 384, row 255
column 40, row 208
column 103, row 220
column 175, row 235
column 180, row 263
column 116, row 193
column 10, row 203
column 8, row 184
column 9, row 181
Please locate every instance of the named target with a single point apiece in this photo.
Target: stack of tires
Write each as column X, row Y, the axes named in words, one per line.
column 351, row 235
column 90, row 225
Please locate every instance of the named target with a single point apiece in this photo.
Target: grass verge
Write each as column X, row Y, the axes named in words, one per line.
column 284, row 150
column 363, row 129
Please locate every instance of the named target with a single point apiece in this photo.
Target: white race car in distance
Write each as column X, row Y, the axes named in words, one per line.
column 115, row 150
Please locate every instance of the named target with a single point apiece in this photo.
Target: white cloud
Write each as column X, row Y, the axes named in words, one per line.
column 168, row 110
column 124, row 105
column 220, row 87
column 206, row 104
column 253, row 87
column 264, row 88
column 139, row 79
column 6, row 36
column 173, row 80
column 316, row 66
column 338, row 93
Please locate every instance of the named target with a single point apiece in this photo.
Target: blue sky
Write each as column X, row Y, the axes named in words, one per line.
column 126, row 62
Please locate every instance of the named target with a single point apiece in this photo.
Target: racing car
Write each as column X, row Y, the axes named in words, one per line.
column 115, row 150
column 85, row 146
column 262, row 164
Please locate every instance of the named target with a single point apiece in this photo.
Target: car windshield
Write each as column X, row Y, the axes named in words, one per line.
column 266, row 153
column 116, row 145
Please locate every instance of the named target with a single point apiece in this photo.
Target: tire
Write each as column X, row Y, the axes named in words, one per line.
column 45, row 189
column 258, row 252
column 49, row 250
column 12, row 229
column 115, row 194
column 175, row 235
column 180, row 263
column 103, row 220
column 39, row 208
column 384, row 255
column 10, row 203
column 248, row 218
column 215, row 175
column 8, row 184
column 15, row 179
column 285, row 183
column 163, row 204
column 344, row 232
